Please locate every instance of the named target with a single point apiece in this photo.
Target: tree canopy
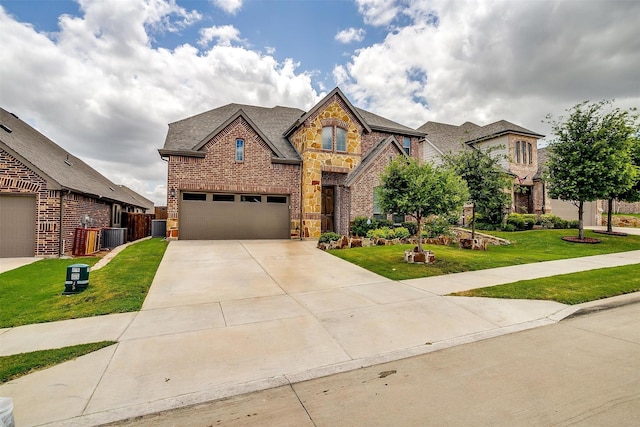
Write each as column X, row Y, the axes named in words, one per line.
column 590, row 158
column 486, row 180
column 420, row 190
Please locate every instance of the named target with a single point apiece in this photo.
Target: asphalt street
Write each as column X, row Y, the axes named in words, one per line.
column 584, row 370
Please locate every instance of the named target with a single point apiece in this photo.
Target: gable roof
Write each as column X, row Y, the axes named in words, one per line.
column 383, row 124
column 451, row 138
column 61, row 169
column 369, row 158
column 319, row 105
column 189, row 135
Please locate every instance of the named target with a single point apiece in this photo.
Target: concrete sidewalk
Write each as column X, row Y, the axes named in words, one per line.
column 225, row 318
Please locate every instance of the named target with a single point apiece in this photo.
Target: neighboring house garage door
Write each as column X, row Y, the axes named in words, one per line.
column 17, row 226
column 209, row 216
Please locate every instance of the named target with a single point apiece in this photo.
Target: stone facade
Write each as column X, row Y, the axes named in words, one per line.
column 317, row 162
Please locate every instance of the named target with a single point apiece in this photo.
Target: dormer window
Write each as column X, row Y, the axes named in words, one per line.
column 334, row 138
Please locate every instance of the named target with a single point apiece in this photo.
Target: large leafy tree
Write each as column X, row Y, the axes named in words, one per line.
column 487, row 180
column 420, row 190
column 631, row 132
column 590, row 157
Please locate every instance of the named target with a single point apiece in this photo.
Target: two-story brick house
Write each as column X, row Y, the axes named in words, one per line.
column 517, row 146
column 243, row 171
column 46, row 192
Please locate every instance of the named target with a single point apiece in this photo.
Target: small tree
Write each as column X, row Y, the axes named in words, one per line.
column 588, row 160
column 420, row 190
column 486, row 180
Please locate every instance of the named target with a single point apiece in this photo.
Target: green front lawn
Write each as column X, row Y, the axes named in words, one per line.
column 32, row 294
column 574, row 288
column 17, row 365
column 527, row 247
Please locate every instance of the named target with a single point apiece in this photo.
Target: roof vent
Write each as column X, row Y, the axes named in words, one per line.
column 67, row 161
column 5, row 128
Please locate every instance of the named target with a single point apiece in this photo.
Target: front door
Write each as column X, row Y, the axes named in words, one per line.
column 328, row 208
column 524, row 199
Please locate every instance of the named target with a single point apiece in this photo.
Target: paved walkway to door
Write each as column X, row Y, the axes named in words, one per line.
column 227, row 317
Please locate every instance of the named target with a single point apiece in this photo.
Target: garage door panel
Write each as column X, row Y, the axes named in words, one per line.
column 246, row 217
column 17, row 226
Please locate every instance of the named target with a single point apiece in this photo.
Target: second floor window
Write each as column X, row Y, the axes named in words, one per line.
column 407, row 145
column 239, row 150
column 523, row 152
column 334, row 138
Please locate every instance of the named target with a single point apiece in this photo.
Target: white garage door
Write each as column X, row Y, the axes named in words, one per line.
column 17, row 225
column 215, row 216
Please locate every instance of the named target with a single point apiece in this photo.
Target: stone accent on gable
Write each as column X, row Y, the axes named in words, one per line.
column 315, row 160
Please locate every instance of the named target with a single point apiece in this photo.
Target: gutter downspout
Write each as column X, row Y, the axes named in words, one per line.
column 60, row 241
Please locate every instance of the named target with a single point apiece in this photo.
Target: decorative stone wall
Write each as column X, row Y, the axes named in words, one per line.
column 219, row 171
column 308, row 141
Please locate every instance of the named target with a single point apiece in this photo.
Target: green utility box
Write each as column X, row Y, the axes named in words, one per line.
column 77, row 279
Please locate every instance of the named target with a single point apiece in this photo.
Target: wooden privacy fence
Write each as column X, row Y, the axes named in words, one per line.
column 86, row 241
column 138, row 225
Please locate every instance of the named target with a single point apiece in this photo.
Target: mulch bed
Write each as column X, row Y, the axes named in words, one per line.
column 574, row 239
column 610, row 233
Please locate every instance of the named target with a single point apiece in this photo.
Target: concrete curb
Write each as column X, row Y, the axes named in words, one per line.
column 604, row 304
column 115, row 251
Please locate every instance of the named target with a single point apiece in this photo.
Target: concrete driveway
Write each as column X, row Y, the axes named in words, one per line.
column 227, row 317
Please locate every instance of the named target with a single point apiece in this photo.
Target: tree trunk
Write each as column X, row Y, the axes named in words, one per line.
column 581, row 220
column 473, row 221
column 609, row 216
column 419, row 219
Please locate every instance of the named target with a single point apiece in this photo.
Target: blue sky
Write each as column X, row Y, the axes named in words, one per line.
column 103, row 78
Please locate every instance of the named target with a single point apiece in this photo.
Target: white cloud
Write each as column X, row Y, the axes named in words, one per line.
column 378, row 12
column 101, row 91
column 229, row 6
column 487, row 60
column 350, row 35
column 225, row 35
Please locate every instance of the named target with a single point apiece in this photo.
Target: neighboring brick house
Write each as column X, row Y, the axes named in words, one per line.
column 517, row 145
column 243, row 171
column 46, row 192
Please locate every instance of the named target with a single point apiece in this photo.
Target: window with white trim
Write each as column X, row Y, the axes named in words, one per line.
column 239, row 150
column 407, row 145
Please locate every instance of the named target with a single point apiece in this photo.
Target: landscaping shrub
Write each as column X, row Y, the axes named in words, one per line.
column 329, row 236
column 436, row 226
column 411, row 226
column 401, row 233
column 573, row 224
column 360, row 226
column 522, row 221
column 381, row 223
column 381, row 233
column 508, row 227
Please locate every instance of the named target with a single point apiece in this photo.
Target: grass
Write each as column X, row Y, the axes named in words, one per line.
column 32, row 293
column 574, row 288
column 527, row 247
column 17, row 365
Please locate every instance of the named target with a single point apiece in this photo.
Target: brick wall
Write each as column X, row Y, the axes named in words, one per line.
column 18, row 178
column 75, row 207
column 218, row 171
column 362, row 189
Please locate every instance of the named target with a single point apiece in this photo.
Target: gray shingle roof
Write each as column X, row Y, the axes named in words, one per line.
column 543, row 156
column 61, row 169
column 275, row 124
column 381, row 123
column 187, row 134
column 451, row 138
